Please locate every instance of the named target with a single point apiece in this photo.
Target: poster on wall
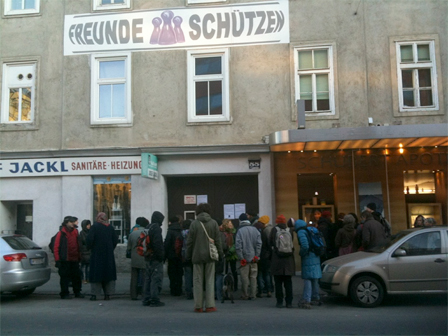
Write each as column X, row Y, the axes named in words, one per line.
column 189, row 199
column 239, row 209
column 229, row 211
column 202, row 199
column 371, row 193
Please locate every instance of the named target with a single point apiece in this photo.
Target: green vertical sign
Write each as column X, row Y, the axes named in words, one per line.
column 149, row 166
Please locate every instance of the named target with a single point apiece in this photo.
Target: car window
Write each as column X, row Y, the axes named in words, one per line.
column 423, row 244
column 20, row 243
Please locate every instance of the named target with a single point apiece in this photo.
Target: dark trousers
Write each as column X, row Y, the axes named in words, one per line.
column 69, row 271
column 137, row 281
column 280, row 282
column 175, row 273
column 153, row 281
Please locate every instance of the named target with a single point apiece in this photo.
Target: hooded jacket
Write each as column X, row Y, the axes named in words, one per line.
column 198, row 250
column 310, row 262
column 85, row 252
column 155, row 236
column 345, row 235
column 174, row 232
column 247, row 242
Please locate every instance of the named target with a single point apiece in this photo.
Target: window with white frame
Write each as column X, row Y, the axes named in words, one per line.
column 19, row 87
column 417, row 84
column 20, row 7
column 111, row 4
column 208, row 86
column 314, row 79
column 111, row 89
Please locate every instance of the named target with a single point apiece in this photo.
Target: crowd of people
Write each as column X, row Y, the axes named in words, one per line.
column 255, row 255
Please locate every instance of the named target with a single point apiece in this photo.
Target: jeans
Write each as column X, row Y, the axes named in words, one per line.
column 264, row 281
column 153, row 281
column 188, row 277
column 85, row 270
column 310, row 290
column 218, row 285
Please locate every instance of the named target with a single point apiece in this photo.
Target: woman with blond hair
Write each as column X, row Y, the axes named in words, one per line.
column 231, row 257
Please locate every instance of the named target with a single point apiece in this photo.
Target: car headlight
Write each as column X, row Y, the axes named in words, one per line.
column 330, row 269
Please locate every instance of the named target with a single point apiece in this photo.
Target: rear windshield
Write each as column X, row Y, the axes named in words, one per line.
column 21, row 243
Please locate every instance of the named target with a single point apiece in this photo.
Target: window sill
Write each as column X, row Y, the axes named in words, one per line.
column 418, row 113
column 208, row 123
column 111, row 125
column 321, row 116
column 10, row 127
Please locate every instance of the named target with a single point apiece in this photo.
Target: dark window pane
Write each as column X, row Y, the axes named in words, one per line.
column 408, row 98
column 323, row 104
column 208, row 65
column 308, row 105
column 406, row 76
column 424, row 78
column 201, row 98
column 215, row 98
column 426, row 98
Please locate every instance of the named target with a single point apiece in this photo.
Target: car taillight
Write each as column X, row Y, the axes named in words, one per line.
column 14, row 257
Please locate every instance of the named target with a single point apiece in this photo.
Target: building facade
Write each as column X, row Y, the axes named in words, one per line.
column 266, row 106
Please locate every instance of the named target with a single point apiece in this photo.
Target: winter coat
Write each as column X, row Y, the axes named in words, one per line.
column 372, row 234
column 280, row 265
column 328, row 230
column 102, row 241
column 266, row 250
column 174, row 232
column 230, row 245
column 137, row 261
column 311, row 268
column 345, row 236
column 155, row 237
column 85, row 252
column 198, row 250
column 67, row 245
column 219, row 265
column 247, row 242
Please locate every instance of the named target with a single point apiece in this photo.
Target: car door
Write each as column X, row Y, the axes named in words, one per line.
column 424, row 267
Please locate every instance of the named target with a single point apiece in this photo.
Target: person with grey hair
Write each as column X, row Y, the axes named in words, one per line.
column 372, row 232
column 346, row 236
column 429, row 222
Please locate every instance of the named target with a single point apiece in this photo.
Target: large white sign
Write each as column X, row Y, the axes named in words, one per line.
column 178, row 28
column 71, row 166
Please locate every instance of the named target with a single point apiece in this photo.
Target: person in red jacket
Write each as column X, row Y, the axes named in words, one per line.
column 67, row 254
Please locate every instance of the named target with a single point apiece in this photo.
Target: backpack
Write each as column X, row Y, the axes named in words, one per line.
column 316, row 241
column 143, row 244
column 283, row 242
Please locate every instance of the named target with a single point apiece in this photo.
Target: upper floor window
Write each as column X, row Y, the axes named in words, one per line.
column 19, row 87
column 417, row 84
column 111, row 89
column 111, row 4
column 208, row 86
column 18, row 7
column 314, row 79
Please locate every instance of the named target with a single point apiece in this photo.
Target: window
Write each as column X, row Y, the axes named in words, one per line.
column 111, row 4
column 208, row 86
column 314, row 81
column 111, row 89
column 416, row 69
column 19, row 87
column 18, row 7
column 423, row 244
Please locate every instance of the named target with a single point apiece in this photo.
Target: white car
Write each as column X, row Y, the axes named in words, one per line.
column 413, row 262
column 24, row 265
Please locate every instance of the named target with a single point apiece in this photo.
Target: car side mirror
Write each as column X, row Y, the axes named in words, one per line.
column 399, row 253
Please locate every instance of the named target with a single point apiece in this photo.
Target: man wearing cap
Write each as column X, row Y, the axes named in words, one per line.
column 248, row 249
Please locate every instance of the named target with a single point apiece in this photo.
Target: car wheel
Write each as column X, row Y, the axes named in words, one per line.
column 367, row 292
column 24, row 293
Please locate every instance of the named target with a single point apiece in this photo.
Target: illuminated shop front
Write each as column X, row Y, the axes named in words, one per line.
column 403, row 175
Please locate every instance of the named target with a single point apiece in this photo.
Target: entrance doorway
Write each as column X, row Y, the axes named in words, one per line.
column 25, row 219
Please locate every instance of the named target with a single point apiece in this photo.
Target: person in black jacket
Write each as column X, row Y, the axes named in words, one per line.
column 67, row 254
column 173, row 254
column 154, row 262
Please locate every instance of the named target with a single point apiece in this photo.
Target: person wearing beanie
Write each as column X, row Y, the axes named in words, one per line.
column 264, row 283
column 282, row 264
column 154, row 262
column 371, row 207
column 138, row 264
column 175, row 269
column 248, row 249
column 345, row 236
column 252, row 216
column 311, row 269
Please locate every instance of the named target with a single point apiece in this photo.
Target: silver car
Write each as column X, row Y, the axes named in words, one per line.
column 24, row 265
column 414, row 261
